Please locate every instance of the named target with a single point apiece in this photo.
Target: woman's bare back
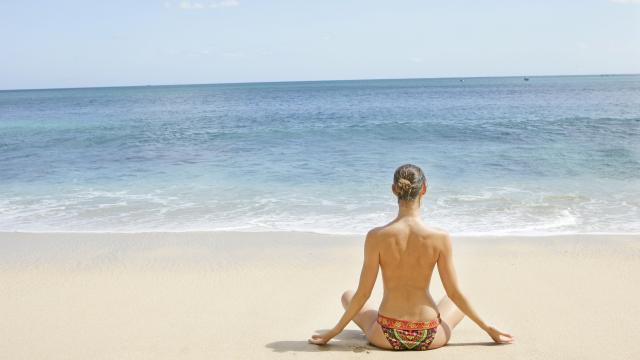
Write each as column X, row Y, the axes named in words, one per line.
column 408, row 253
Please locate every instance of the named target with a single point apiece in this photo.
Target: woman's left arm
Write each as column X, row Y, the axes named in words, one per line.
column 368, row 277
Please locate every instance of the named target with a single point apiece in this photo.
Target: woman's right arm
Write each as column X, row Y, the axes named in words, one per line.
column 450, row 283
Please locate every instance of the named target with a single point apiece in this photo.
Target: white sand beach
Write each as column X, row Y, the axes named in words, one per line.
column 218, row 295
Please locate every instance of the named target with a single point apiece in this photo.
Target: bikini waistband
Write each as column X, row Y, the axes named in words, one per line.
column 407, row 324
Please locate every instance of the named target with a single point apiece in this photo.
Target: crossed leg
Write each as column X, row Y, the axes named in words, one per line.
column 367, row 321
column 368, row 316
column 451, row 317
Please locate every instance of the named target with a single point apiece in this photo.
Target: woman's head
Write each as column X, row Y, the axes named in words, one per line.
column 409, row 182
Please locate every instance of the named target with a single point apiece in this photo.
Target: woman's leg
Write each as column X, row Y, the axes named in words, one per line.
column 367, row 321
column 451, row 317
column 367, row 315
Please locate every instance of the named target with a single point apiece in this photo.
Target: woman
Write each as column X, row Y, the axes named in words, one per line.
column 407, row 251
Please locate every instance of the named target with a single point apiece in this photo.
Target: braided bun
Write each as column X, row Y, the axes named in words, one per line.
column 408, row 180
column 404, row 185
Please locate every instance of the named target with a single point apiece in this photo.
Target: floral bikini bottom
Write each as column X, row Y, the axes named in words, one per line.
column 409, row 334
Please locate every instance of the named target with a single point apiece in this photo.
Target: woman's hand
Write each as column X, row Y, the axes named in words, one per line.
column 500, row 337
column 321, row 339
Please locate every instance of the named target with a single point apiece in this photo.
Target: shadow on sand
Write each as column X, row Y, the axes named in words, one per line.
column 347, row 340
column 479, row 343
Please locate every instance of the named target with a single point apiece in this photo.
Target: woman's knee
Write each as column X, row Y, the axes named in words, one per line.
column 346, row 297
column 443, row 335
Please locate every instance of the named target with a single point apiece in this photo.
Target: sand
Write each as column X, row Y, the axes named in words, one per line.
column 206, row 295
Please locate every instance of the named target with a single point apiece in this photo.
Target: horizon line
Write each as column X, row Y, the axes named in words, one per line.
column 308, row 81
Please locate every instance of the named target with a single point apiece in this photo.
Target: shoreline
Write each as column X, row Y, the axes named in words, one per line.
column 346, row 234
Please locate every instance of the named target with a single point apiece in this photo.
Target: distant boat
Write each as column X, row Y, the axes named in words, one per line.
column 526, row 79
column 461, row 80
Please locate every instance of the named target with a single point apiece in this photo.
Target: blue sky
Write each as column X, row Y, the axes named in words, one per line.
column 103, row 43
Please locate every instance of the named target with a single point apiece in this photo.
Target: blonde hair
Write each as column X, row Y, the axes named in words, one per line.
column 408, row 180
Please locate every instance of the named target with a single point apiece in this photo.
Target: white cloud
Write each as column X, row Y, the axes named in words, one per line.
column 416, row 59
column 201, row 5
column 625, row 1
column 224, row 3
column 233, row 54
column 190, row 5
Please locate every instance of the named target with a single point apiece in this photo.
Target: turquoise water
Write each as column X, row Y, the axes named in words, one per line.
column 502, row 155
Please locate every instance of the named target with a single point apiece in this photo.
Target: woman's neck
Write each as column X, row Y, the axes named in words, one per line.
column 408, row 209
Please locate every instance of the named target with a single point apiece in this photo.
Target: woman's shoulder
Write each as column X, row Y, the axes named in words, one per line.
column 393, row 229
column 441, row 238
column 381, row 232
column 438, row 231
column 376, row 231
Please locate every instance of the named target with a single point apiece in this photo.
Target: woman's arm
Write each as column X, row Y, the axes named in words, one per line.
column 368, row 277
column 450, row 283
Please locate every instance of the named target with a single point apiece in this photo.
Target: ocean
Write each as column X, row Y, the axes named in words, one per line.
column 502, row 155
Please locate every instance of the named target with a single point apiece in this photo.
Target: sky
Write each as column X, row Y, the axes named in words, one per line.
column 72, row 43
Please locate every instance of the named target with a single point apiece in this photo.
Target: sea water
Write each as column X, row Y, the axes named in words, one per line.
column 502, row 155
